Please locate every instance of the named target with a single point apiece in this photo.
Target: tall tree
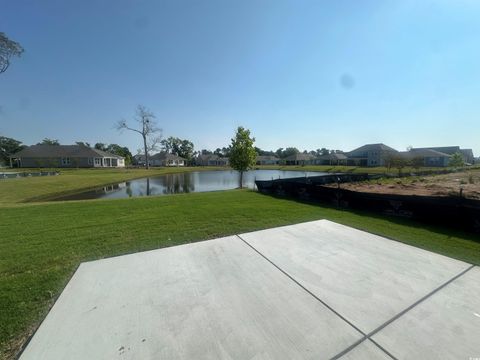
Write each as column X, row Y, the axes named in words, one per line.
column 48, row 141
column 8, row 147
column 289, row 151
column 122, row 151
column 174, row 145
column 101, row 146
column 148, row 129
column 8, row 49
column 242, row 154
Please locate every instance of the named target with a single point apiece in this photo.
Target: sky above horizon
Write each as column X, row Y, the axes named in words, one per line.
column 307, row 74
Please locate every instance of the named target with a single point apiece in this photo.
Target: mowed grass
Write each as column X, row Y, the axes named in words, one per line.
column 42, row 244
column 28, row 189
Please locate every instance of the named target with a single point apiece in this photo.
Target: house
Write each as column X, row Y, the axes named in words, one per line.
column 65, row 156
column 211, row 160
column 468, row 156
column 371, row 155
column 450, row 150
column 166, row 159
column 299, row 159
column 427, row 157
column 139, row 159
column 267, row 160
column 331, row 159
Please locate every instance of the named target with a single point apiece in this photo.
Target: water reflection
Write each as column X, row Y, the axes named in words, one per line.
column 199, row 181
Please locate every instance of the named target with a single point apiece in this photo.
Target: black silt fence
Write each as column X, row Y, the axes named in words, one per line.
column 451, row 211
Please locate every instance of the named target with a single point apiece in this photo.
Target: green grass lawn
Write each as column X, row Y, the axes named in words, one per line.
column 42, row 244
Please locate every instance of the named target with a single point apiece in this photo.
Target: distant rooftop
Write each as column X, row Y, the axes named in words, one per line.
column 57, row 151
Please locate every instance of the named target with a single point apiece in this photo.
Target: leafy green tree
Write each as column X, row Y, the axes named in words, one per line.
column 261, row 152
column 8, row 147
column 283, row 153
column 242, row 154
column 81, row 143
column 122, row 151
column 179, row 147
column 48, row 141
column 417, row 162
column 101, row 146
column 116, row 150
column 8, row 49
column 323, row 151
column 289, row 151
column 398, row 162
column 456, row 160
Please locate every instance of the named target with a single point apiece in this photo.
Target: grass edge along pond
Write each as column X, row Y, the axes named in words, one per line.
column 42, row 244
column 72, row 181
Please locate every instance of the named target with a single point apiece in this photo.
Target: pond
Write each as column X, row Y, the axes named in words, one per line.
column 197, row 181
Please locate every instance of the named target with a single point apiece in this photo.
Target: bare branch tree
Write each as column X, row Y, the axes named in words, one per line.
column 151, row 133
column 8, row 49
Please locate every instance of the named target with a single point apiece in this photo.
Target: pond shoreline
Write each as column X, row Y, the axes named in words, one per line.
column 175, row 183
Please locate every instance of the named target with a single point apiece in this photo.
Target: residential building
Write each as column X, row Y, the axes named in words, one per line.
column 65, row 156
column 331, row 159
column 427, row 157
column 450, row 150
column 166, row 159
column 139, row 160
column 211, row 160
column 371, row 155
column 267, row 160
column 299, row 159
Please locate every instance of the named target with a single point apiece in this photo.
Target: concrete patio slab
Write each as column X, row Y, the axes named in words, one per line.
column 216, row 299
column 444, row 326
column 367, row 279
column 366, row 351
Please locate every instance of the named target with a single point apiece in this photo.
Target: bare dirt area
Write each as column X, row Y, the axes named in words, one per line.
column 466, row 182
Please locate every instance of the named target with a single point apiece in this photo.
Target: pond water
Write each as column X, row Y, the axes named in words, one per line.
column 198, row 181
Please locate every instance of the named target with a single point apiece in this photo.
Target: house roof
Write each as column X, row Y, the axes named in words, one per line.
column 335, row 156
column 165, row 156
column 299, row 157
column 210, row 157
column 450, row 150
column 57, row 151
column 373, row 147
column 467, row 152
column 423, row 153
column 267, row 157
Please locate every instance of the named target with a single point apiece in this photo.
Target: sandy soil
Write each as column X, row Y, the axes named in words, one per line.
column 436, row 185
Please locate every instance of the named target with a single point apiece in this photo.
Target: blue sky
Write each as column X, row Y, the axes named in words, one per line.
column 309, row 74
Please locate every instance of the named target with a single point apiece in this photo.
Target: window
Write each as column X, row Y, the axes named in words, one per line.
column 98, row 161
column 90, row 161
column 66, row 161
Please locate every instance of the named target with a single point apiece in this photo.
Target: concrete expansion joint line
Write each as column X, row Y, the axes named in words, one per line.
column 369, row 335
column 303, row 287
column 434, row 291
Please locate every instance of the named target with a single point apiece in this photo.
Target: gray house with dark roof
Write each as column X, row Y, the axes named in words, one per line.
column 427, row 157
column 370, row 155
column 299, row 159
column 267, row 160
column 65, row 156
column 467, row 154
column 211, row 160
column 331, row 159
column 166, row 159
